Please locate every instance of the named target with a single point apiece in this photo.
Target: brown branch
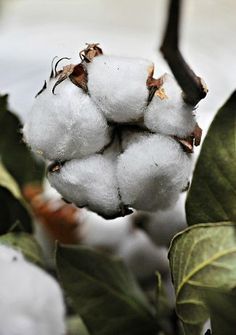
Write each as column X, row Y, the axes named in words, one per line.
column 193, row 86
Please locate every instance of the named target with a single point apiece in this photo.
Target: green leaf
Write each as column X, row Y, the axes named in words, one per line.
column 75, row 326
column 25, row 243
column 222, row 309
column 12, row 206
column 15, row 155
column 212, row 196
column 202, row 256
column 104, row 293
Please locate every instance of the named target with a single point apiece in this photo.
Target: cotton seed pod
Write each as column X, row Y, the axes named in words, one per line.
column 66, row 124
column 88, row 182
column 152, row 172
column 118, row 86
column 141, row 160
column 31, row 301
column 167, row 113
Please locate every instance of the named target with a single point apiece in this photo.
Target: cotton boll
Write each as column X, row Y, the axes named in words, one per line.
column 118, row 86
column 164, row 224
column 65, row 125
column 152, row 172
column 9, row 255
column 19, row 325
column 142, row 256
column 31, row 301
column 167, row 113
column 89, row 182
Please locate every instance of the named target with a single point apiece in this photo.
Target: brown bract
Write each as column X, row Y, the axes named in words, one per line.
column 189, row 142
column 78, row 73
column 79, row 77
column 92, row 50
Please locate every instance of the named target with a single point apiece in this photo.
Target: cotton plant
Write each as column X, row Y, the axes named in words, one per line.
column 31, row 301
column 115, row 138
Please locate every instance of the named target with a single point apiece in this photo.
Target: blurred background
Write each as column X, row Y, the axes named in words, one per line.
column 32, row 32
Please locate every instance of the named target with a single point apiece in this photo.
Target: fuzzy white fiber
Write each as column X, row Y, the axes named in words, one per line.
column 142, row 256
column 100, row 233
column 152, row 172
column 170, row 115
column 31, row 301
column 163, row 225
column 88, row 182
column 65, row 125
column 118, row 86
column 129, row 136
column 10, row 255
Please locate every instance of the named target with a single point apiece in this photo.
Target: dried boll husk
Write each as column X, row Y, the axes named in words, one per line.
column 89, row 182
column 152, row 172
column 167, row 112
column 118, row 86
column 65, row 125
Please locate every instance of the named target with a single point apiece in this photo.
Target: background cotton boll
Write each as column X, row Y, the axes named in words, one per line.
column 164, row 224
column 9, row 255
column 169, row 114
column 118, row 86
column 142, row 256
column 100, row 233
column 30, row 300
column 88, row 182
column 152, row 173
column 19, row 325
column 65, row 125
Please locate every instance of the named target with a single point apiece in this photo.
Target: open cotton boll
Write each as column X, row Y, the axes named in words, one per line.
column 164, row 224
column 88, row 182
column 118, row 86
column 9, row 255
column 31, row 301
column 152, row 172
column 65, row 125
column 142, row 256
column 167, row 113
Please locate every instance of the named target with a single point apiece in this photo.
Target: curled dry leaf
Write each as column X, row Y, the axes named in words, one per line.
column 59, row 219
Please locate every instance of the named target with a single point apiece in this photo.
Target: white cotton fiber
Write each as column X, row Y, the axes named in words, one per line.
column 141, row 256
column 167, row 113
column 118, row 86
column 152, row 172
column 65, row 125
column 131, row 135
column 10, row 255
column 164, row 224
column 31, row 301
column 97, row 232
column 88, row 182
